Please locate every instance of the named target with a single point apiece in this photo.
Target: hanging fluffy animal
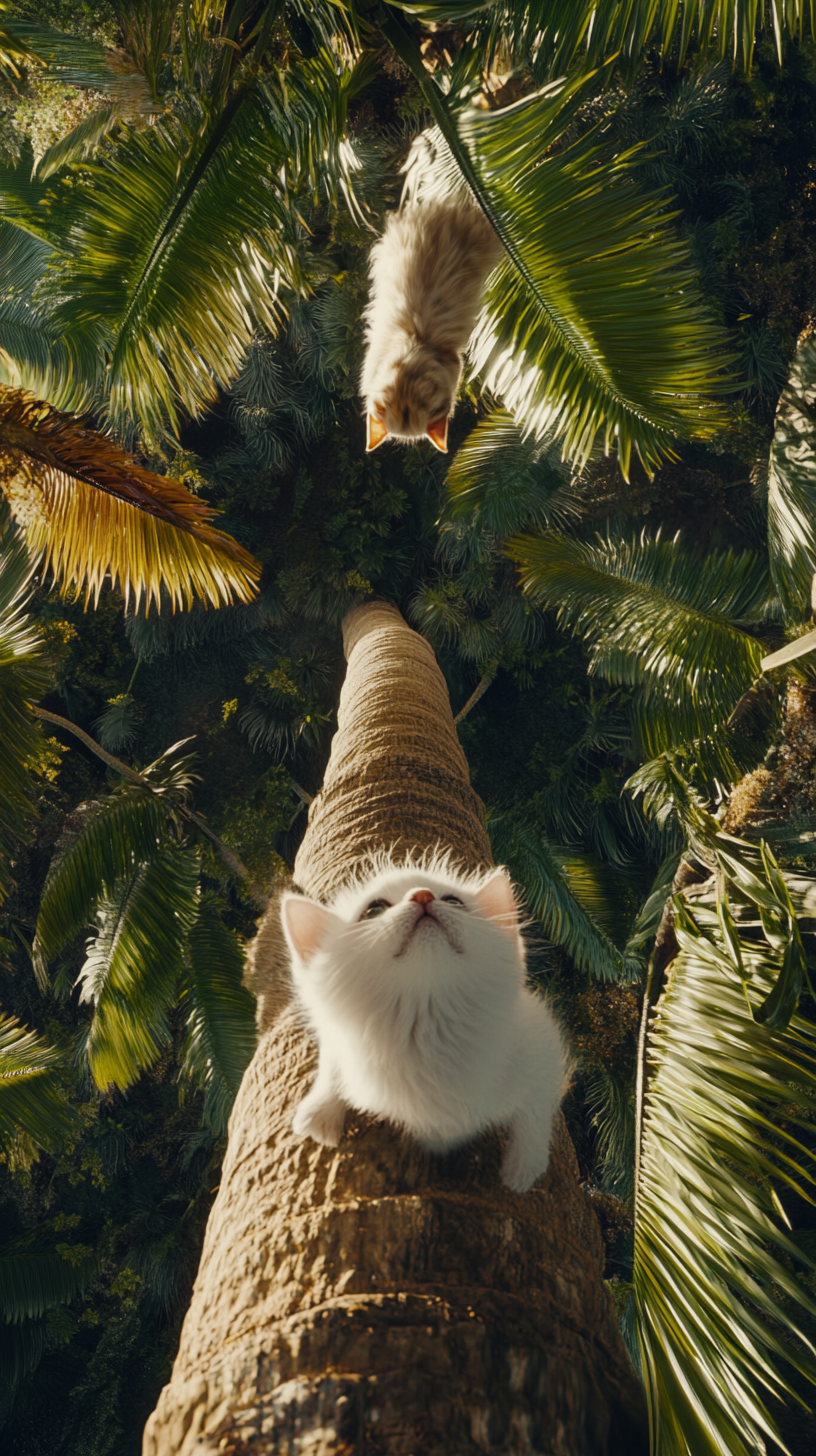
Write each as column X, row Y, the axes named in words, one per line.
column 428, row 272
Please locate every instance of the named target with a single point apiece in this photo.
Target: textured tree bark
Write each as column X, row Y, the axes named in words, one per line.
column 370, row 1298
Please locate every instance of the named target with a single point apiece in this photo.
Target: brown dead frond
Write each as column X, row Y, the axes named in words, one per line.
column 94, row 512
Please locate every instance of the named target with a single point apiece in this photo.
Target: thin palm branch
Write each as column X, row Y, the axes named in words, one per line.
column 94, row 512
column 130, row 828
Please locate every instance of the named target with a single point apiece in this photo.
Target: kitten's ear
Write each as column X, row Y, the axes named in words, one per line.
column 497, row 901
column 306, row 925
column 377, row 432
column 438, row 434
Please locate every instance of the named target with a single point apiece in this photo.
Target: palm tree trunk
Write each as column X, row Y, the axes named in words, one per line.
column 369, row 1298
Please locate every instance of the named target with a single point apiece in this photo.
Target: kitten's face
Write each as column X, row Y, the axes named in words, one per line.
column 418, row 399
column 406, row 920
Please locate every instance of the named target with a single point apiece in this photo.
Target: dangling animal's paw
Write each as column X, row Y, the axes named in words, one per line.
column 526, row 1157
column 516, row 1173
column 321, row 1119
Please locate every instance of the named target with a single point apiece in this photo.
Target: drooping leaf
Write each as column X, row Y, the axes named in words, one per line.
column 35, row 355
column 221, row 1034
column 130, row 829
column 594, row 329
column 662, row 619
column 132, row 968
column 34, row 1278
column 724, row 1099
column 32, row 1098
column 792, row 485
column 180, row 237
column 611, row 1105
column 506, row 482
column 15, row 52
column 562, row 901
column 23, row 676
column 95, row 513
column 559, row 31
column 79, row 143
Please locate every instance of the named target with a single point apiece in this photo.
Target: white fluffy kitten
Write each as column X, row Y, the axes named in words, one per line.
column 412, row 984
column 427, row 276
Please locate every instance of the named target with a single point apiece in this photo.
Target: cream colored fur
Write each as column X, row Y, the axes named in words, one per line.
column 427, row 278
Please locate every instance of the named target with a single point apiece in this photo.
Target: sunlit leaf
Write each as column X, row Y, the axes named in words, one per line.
column 792, row 488
column 560, row 893
column 662, row 619
column 559, row 31
column 594, row 327
column 724, row 1101
column 133, row 964
column 95, row 514
column 129, row 830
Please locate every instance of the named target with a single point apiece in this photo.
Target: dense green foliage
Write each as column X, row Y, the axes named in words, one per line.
column 613, row 627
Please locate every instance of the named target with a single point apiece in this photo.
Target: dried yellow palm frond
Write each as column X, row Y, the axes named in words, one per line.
column 94, row 512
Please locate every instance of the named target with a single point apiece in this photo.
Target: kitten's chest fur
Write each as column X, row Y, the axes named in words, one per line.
column 425, row 1051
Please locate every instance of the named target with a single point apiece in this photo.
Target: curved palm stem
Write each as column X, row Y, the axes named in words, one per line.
column 228, row 855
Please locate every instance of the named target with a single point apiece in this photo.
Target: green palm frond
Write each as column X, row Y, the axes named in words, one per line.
column 725, row 1099
column 80, row 143
column 32, row 1099
column 221, row 1033
column 21, row 1349
column 95, row 513
column 34, row 1279
column 180, row 238
column 594, row 327
column 132, row 968
column 79, row 60
column 559, row 31
column 15, row 52
column 610, row 1099
column 130, row 829
column 792, row 484
column 659, row 617
column 560, row 894
column 505, row 481
column 23, row 676
column 35, row 355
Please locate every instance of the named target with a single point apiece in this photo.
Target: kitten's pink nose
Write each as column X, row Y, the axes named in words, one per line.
column 422, row 897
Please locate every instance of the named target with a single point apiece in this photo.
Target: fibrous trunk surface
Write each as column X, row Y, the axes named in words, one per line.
column 370, row 1298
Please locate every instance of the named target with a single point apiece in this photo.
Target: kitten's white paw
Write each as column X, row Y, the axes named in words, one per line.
column 320, row 1119
column 526, row 1157
column 518, row 1173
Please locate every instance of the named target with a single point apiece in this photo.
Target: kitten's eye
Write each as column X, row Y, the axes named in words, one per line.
column 453, row 900
column 377, row 907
